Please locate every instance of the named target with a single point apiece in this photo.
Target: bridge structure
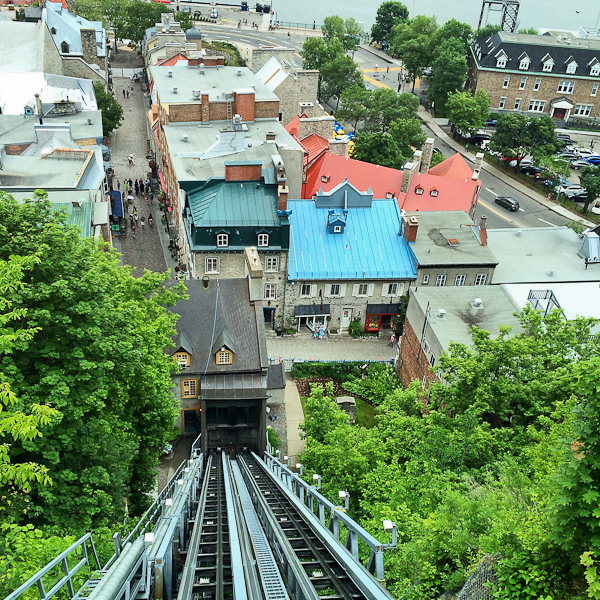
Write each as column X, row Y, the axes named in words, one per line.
column 229, row 526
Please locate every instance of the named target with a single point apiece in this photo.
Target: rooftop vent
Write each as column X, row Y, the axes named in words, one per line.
column 185, row 137
column 76, row 203
column 196, row 94
column 90, row 122
column 441, row 313
column 453, row 242
column 478, row 303
column 170, row 73
column 201, row 68
column 239, row 72
column 174, row 89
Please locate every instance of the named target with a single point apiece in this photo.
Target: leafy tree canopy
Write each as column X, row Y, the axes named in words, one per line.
column 529, row 31
column 378, row 148
column 97, row 358
column 112, row 111
column 469, row 112
column 389, row 14
column 488, row 30
column 346, row 31
column 449, row 70
column 455, row 30
column 518, row 135
column 589, row 177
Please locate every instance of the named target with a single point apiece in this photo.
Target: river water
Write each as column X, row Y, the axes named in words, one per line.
column 551, row 14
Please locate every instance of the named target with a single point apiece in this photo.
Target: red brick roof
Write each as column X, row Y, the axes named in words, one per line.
column 362, row 175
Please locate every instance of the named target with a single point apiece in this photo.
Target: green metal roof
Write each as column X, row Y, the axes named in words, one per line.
column 230, row 203
column 82, row 217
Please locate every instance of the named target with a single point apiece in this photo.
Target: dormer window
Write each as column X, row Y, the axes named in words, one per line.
column 595, row 70
column 224, row 356
column 53, row 30
column 182, row 359
column 64, row 48
column 325, row 177
column 389, row 195
column 419, row 190
column 501, row 62
column 337, row 229
column 433, row 192
column 524, row 61
column 572, row 67
column 548, row 63
column 263, row 239
column 222, row 240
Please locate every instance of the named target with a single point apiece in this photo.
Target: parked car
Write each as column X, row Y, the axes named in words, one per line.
column 593, row 160
column 579, row 163
column 214, row 13
column 565, row 137
column 567, row 186
column 437, row 151
column 479, row 138
column 508, row 203
column 576, row 195
column 197, row 14
column 568, row 155
column 530, row 170
column 492, row 123
column 584, row 152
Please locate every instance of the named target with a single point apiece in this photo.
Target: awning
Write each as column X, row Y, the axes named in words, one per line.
column 100, row 216
column 383, row 309
column 312, row 310
column 116, row 203
column 162, row 181
column 562, row 102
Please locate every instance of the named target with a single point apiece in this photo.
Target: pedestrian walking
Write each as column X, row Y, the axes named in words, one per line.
column 143, row 222
column 123, row 92
column 127, row 92
column 118, row 185
column 130, row 162
column 132, row 90
column 130, row 184
column 592, row 144
column 136, row 218
column 133, row 229
column 392, row 340
column 134, row 209
column 150, row 219
column 137, row 188
column 130, row 199
column 314, row 24
column 388, row 69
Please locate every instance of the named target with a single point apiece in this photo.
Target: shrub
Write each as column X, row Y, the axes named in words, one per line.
column 338, row 371
column 273, row 438
column 355, row 329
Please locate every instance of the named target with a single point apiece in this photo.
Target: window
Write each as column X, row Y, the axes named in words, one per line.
column 263, row 239
column 272, row 264
column 392, row 289
column 517, row 103
column 270, row 291
column 595, row 89
column 583, row 110
column 212, row 265
column 460, row 280
column 501, row 62
column 53, row 31
column 64, row 48
column 222, row 240
column 536, row 85
column 537, row 105
column 305, row 290
column 337, row 229
column 440, row 280
column 182, row 358
column 425, row 279
column 548, row 66
column 506, row 81
column 595, row 70
column 335, row 289
column 433, row 192
column 566, row 87
column 523, row 82
column 502, row 102
column 572, row 67
column 524, row 64
column 432, row 360
column 189, row 388
column 361, row 289
column 418, row 190
column 224, row 357
column 480, row 279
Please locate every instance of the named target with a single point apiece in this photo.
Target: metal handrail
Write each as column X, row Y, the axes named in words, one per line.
column 67, row 579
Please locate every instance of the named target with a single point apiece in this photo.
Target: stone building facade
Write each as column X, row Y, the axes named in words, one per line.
column 550, row 75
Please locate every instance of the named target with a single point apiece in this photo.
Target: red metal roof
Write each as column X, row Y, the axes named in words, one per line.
column 455, row 167
column 171, row 60
column 315, row 145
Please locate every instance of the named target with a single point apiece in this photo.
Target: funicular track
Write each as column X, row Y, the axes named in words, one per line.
column 327, row 575
column 207, row 574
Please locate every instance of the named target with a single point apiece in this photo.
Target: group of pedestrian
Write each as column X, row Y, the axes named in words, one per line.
column 127, row 92
column 319, row 332
column 140, row 187
column 135, row 219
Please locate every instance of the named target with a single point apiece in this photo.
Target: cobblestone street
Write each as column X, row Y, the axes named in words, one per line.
column 144, row 251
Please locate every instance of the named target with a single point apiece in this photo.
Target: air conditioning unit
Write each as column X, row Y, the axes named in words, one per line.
column 478, row 303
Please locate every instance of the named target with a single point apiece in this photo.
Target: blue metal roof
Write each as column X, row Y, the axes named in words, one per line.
column 371, row 246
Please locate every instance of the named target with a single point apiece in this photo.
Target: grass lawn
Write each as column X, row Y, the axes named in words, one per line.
column 365, row 413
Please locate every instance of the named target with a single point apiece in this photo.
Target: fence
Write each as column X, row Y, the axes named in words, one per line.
column 289, row 362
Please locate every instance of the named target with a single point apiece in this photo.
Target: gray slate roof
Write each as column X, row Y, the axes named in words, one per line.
column 537, row 47
column 235, row 315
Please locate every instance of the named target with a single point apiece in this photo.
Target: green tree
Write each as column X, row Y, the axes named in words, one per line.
column 469, row 112
column 98, row 358
column 385, row 106
column 112, row 111
column 338, row 74
column 518, row 135
column 554, row 168
column 414, row 42
column 449, row 70
column 488, row 30
column 139, row 16
column 529, row 31
column 377, row 148
column 389, row 14
column 17, row 426
column 346, row 31
column 354, row 102
column 408, row 134
column 185, row 20
column 455, row 30
column 589, row 177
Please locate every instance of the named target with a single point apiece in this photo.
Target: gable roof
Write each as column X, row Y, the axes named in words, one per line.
column 371, row 246
column 361, row 175
column 171, row 60
column 182, row 342
column 539, row 48
column 235, row 314
column 315, row 145
column 223, row 340
column 454, row 167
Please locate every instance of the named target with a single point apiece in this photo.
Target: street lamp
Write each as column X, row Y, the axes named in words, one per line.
column 317, row 478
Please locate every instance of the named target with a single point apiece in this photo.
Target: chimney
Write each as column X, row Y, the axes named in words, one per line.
column 237, row 122
column 427, row 154
column 270, row 136
column 38, row 104
column 417, row 156
column 411, row 226
column 407, row 175
column 483, row 230
column 478, row 165
column 307, row 109
column 282, row 193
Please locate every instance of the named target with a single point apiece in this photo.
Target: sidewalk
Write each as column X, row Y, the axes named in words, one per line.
column 431, row 124
column 294, row 416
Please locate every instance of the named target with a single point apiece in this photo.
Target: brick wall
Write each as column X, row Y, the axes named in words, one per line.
column 293, row 90
column 181, row 113
column 322, row 126
column 412, row 362
column 77, row 67
column 243, row 172
column 492, row 82
column 244, row 106
column 16, row 149
column 267, row 109
column 217, row 111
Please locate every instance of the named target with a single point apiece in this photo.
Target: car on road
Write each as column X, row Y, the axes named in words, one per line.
column 197, row 14
column 579, row 163
column 508, row 203
column 214, row 13
column 593, row 160
column 187, row 9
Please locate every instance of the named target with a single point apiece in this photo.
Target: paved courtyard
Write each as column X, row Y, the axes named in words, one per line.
column 305, row 347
